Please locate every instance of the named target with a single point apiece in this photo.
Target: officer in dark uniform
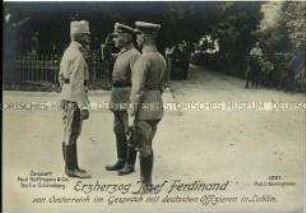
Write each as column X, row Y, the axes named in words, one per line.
column 146, row 95
column 120, row 94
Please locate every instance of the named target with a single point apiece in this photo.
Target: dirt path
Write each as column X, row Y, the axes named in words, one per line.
column 209, row 144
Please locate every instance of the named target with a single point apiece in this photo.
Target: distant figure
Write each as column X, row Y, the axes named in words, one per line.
column 168, row 54
column 255, row 58
column 12, row 23
column 35, row 43
column 180, row 62
column 107, row 59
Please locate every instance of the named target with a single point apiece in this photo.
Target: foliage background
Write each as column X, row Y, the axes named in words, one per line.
column 279, row 26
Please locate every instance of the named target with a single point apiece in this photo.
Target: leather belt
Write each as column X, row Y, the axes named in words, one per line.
column 67, row 81
column 121, row 84
column 153, row 87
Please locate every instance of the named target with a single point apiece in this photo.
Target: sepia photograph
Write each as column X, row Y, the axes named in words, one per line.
column 153, row 106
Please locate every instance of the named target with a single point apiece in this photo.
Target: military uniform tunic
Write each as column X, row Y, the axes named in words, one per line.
column 147, row 84
column 146, row 95
column 122, row 78
column 74, row 75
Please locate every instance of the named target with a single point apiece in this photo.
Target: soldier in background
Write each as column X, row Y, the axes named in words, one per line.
column 35, row 43
column 146, row 96
column 108, row 59
column 254, row 72
column 73, row 78
column 168, row 54
column 126, row 58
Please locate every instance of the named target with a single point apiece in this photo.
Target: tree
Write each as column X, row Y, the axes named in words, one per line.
column 285, row 45
column 238, row 22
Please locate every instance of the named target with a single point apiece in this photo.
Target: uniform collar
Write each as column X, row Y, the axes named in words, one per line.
column 126, row 48
column 77, row 45
column 149, row 48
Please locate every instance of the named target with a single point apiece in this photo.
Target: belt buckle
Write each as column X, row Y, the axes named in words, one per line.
column 66, row 80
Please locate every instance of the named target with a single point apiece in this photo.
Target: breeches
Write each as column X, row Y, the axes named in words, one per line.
column 147, row 130
column 72, row 122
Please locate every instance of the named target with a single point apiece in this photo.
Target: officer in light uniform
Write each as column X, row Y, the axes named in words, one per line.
column 146, row 109
column 123, row 39
column 73, row 78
